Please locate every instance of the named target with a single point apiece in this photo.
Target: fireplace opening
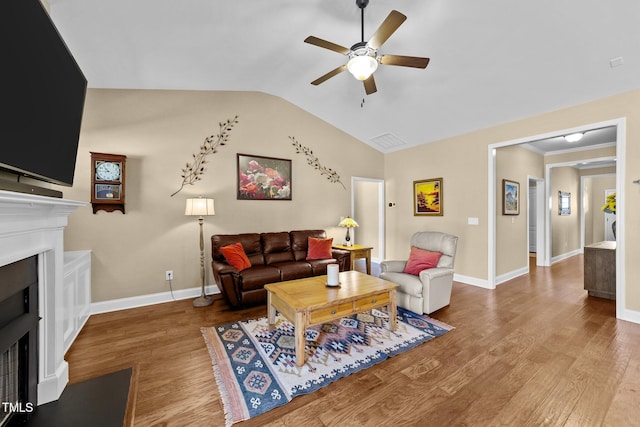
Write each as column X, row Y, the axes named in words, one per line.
column 18, row 340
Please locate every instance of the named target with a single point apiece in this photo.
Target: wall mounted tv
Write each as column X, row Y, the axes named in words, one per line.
column 42, row 95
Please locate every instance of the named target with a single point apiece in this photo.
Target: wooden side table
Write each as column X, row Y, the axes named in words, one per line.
column 357, row 252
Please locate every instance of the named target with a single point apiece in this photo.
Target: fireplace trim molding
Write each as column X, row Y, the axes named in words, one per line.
column 34, row 225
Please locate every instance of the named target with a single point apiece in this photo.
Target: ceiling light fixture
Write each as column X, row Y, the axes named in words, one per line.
column 363, row 62
column 574, row 137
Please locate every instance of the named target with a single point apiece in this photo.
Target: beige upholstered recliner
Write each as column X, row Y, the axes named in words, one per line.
column 431, row 289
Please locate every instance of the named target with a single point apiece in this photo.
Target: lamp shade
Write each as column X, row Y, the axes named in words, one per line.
column 348, row 222
column 199, row 207
column 362, row 66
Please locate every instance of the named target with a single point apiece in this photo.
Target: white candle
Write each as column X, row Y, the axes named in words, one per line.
column 332, row 275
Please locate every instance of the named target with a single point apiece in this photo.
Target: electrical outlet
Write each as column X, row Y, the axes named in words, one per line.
column 168, row 275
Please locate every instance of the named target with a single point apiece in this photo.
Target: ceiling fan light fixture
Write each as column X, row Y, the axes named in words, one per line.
column 574, row 137
column 362, row 66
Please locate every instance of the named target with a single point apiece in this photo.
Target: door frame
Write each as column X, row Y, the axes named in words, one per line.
column 621, row 133
column 540, row 218
column 381, row 211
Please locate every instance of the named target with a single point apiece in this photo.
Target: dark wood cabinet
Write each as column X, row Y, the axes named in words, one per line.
column 600, row 269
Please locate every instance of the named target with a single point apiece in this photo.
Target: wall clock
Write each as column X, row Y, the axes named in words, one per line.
column 107, row 182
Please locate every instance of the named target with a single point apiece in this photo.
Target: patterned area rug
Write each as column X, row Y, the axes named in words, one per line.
column 256, row 369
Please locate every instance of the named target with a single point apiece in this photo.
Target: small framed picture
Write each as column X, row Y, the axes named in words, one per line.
column 108, row 191
column 510, row 197
column 427, row 197
column 263, row 178
column 564, row 203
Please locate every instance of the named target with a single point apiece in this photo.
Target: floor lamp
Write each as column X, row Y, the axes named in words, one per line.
column 201, row 207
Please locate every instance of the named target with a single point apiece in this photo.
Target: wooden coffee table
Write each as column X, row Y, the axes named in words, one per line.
column 306, row 302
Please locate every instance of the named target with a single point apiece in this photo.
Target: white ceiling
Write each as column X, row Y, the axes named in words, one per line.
column 492, row 61
column 591, row 139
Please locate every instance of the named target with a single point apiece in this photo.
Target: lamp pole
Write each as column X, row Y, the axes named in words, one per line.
column 203, row 300
column 201, row 207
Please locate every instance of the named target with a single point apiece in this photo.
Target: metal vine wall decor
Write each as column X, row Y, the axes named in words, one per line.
column 315, row 163
column 193, row 172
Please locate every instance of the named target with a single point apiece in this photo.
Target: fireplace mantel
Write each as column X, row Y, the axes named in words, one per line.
column 34, row 225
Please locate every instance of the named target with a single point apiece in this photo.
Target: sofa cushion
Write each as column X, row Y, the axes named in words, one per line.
column 300, row 241
column 319, row 266
column 257, row 276
column 407, row 283
column 319, row 248
column 421, row 259
column 276, row 247
column 291, row 270
column 235, row 255
column 436, row 241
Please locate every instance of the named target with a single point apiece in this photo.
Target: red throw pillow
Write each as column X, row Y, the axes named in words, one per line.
column 319, row 248
column 421, row 259
column 235, row 255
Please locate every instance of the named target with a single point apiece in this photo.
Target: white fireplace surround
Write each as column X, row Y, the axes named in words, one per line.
column 34, row 225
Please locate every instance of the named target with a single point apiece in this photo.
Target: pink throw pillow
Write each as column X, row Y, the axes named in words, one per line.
column 319, row 248
column 421, row 259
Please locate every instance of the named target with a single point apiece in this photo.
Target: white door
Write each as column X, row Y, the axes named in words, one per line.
column 532, row 216
column 367, row 207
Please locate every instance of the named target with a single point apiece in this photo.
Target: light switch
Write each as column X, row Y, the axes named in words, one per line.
column 472, row 220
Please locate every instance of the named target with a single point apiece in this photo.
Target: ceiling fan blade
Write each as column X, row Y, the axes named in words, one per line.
column 388, row 27
column 330, row 74
column 370, row 85
column 327, row 45
column 404, row 61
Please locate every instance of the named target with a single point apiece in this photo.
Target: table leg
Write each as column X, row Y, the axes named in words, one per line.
column 271, row 311
column 300, row 332
column 368, row 257
column 393, row 309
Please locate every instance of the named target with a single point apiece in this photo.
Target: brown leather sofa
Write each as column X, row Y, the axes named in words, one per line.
column 274, row 257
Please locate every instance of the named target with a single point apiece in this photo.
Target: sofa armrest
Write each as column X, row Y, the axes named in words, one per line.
column 435, row 273
column 343, row 257
column 396, row 266
column 227, row 278
column 437, row 284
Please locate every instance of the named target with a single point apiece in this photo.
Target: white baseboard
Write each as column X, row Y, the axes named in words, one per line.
column 629, row 315
column 467, row 280
column 565, row 256
column 511, row 275
column 144, row 300
column 51, row 387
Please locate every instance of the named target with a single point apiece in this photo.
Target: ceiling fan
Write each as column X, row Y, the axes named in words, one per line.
column 363, row 56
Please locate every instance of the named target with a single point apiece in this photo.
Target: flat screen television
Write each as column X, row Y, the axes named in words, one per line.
column 42, row 95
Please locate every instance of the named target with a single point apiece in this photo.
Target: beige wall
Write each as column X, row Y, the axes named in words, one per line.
column 514, row 163
column 595, row 187
column 462, row 161
column 565, row 229
column 159, row 131
column 462, row 164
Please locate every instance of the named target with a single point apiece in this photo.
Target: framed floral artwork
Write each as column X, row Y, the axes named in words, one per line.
column 427, row 197
column 510, row 197
column 263, row 178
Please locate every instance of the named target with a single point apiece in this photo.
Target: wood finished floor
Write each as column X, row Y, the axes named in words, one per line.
column 535, row 351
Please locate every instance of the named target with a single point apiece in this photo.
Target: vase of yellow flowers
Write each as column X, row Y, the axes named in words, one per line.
column 610, row 207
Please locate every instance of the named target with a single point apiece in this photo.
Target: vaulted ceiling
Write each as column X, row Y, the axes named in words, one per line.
column 492, row 61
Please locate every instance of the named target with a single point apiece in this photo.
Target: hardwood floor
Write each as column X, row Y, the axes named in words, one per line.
column 535, row 351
